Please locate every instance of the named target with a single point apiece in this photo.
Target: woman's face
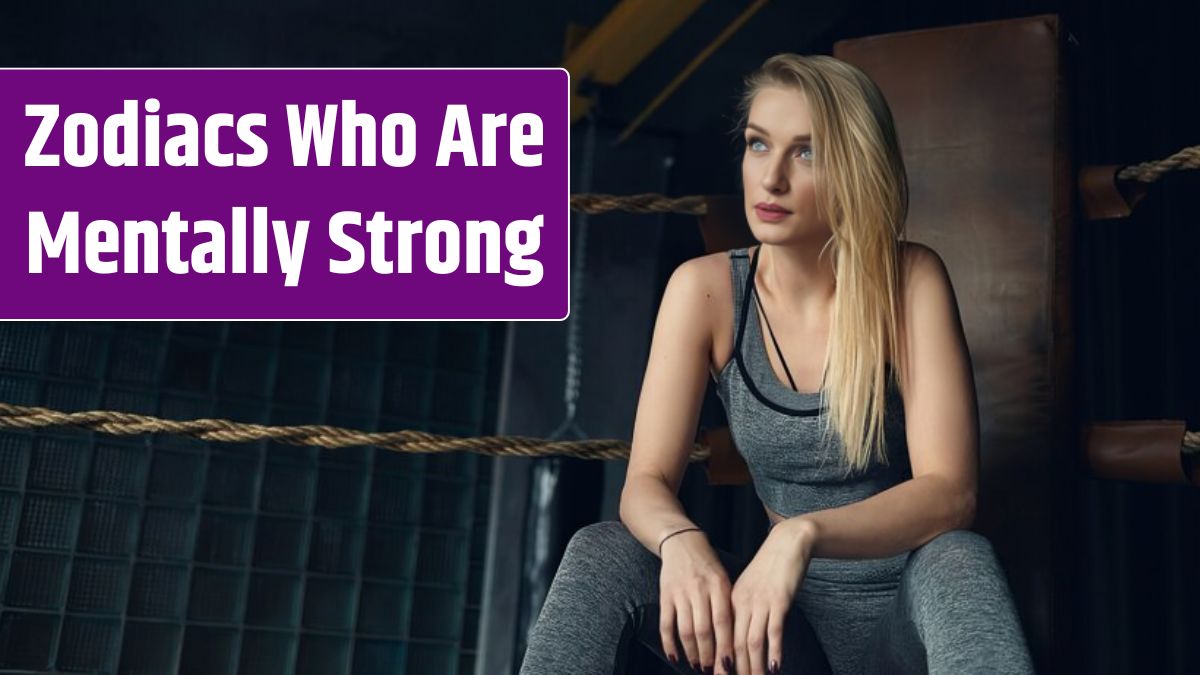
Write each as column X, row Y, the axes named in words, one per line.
column 777, row 168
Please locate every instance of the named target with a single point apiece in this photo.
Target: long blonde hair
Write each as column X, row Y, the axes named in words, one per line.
column 862, row 193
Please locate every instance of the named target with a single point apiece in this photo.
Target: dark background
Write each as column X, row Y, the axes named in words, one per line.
column 1136, row 600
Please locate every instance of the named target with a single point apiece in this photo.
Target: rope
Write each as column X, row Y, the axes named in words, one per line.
column 1148, row 172
column 128, row 424
column 226, row 431
column 643, row 203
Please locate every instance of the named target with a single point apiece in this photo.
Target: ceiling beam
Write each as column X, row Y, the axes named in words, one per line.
column 611, row 50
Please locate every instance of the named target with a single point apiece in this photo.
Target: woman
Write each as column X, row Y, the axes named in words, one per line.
column 869, row 565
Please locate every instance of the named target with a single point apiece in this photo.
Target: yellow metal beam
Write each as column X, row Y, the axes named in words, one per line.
column 630, row 32
column 691, row 68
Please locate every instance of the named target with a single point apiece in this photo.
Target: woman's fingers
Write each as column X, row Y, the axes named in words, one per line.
column 756, row 640
column 703, row 626
column 687, row 630
column 722, row 612
column 666, row 630
column 775, row 638
column 741, row 626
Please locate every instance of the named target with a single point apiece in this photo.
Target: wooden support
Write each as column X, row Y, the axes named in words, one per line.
column 1147, row 451
column 1103, row 197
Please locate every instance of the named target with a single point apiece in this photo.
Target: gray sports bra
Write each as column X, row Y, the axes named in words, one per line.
column 778, row 431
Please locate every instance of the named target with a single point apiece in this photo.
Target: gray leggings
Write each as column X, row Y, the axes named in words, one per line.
column 950, row 612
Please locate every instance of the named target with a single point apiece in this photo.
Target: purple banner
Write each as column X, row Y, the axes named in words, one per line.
column 420, row 194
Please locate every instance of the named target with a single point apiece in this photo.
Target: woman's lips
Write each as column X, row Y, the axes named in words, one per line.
column 770, row 215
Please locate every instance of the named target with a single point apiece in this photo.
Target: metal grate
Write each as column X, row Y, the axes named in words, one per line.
column 167, row 555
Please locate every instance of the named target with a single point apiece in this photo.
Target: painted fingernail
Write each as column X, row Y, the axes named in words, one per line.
column 695, row 666
column 774, row 668
column 728, row 663
column 673, row 659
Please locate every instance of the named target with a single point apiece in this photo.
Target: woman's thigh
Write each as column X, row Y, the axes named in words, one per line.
column 953, row 613
column 844, row 617
column 604, row 576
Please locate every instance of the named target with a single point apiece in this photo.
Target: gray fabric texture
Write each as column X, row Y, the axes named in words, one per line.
column 779, row 432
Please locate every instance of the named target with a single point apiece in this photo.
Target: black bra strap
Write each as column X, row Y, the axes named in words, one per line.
column 737, row 345
column 750, row 288
column 737, row 352
column 776, row 342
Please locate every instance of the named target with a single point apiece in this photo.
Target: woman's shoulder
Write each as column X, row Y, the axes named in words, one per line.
column 924, row 276
column 709, row 280
column 704, row 285
column 916, row 257
column 926, row 293
column 709, row 272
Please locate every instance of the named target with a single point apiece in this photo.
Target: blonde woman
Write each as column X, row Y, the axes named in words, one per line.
column 839, row 355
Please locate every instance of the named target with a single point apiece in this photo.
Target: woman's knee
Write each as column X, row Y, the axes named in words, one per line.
column 951, row 553
column 956, row 547
column 602, row 536
column 605, row 563
column 600, row 581
column 956, row 596
column 605, row 545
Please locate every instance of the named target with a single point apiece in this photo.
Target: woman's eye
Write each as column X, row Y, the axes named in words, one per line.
column 757, row 145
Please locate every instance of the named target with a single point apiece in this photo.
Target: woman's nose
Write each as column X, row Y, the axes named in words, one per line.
column 773, row 178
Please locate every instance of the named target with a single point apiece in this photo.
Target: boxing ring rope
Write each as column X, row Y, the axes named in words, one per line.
column 331, row 437
column 1148, row 172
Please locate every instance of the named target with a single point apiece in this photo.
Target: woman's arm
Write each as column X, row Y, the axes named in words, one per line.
column 693, row 585
column 942, row 423
column 669, row 407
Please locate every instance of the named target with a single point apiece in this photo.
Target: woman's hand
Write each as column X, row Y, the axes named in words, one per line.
column 694, row 601
column 764, row 593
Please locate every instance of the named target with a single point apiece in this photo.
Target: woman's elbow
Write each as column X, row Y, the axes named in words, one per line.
column 964, row 512
column 637, row 490
column 627, row 505
column 623, row 508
